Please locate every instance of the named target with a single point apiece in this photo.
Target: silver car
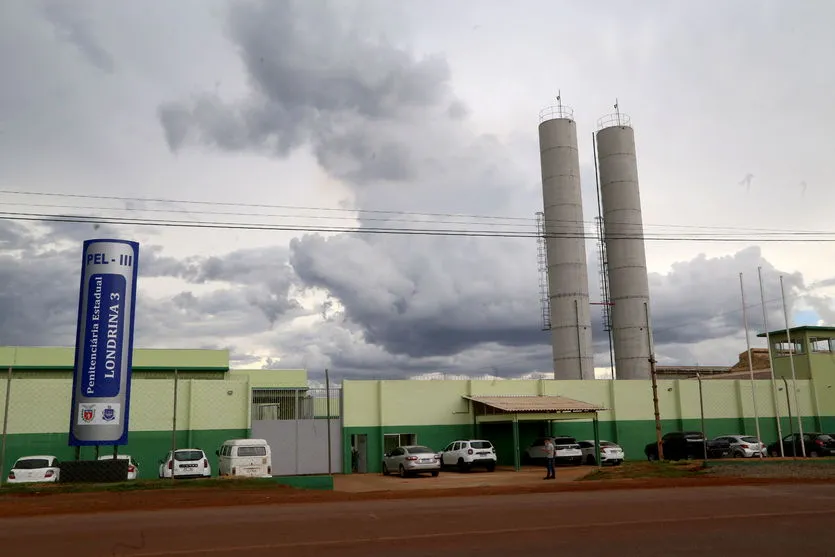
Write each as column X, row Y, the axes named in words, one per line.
column 409, row 460
column 744, row 446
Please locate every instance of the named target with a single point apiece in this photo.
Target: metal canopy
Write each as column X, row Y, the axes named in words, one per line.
column 527, row 408
column 537, row 404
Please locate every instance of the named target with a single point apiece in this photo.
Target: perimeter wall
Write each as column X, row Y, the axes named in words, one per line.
column 434, row 412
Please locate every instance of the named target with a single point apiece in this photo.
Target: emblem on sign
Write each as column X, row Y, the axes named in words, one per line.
column 88, row 413
column 109, row 414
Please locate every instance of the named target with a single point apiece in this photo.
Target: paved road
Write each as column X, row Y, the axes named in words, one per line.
column 761, row 520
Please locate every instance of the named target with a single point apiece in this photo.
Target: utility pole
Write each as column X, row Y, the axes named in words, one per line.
column 328, row 395
column 652, row 369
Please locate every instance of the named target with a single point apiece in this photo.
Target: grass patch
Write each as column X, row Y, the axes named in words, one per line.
column 644, row 470
column 811, row 462
column 139, row 485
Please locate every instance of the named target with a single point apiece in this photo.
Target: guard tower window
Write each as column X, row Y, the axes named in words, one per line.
column 785, row 348
column 821, row 344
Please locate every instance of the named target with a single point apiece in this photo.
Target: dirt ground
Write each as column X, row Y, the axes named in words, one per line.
column 359, row 488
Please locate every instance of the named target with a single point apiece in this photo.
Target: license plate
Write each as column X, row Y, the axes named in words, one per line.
column 483, row 453
column 427, row 459
column 188, row 466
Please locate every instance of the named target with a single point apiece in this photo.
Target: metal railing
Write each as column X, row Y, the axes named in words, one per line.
column 293, row 404
column 614, row 120
column 555, row 112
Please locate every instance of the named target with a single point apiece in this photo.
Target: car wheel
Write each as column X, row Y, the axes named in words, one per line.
column 491, row 467
column 775, row 453
column 462, row 466
column 738, row 454
column 590, row 460
column 435, row 473
column 651, row 457
column 402, row 471
column 385, row 470
column 813, row 454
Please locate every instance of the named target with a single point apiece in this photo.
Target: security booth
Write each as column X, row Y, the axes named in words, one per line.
column 531, row 410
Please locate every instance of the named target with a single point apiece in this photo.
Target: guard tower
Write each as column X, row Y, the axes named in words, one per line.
column 812, row 350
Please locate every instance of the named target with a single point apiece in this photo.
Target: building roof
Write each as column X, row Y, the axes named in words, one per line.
column 800, row 329
column 62, row 358
column 535, row 403
column 758, row 374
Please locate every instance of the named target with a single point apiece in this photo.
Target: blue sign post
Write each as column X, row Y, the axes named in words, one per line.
column 104, row 343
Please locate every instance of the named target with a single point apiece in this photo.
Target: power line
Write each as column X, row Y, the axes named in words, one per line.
column 521, row 221
column 118, row 221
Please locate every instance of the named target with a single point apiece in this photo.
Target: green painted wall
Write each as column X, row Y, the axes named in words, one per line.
column 43, row 405
column 146, row 447
column 632, row 435
column 436, row 412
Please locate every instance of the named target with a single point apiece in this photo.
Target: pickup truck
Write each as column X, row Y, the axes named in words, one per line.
column 683, row 445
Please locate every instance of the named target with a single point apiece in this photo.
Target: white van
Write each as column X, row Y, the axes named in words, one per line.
column 245, row 457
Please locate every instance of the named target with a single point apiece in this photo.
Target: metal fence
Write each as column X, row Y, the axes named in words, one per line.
column 303, row 427
column 291, row 404
column 774, row 412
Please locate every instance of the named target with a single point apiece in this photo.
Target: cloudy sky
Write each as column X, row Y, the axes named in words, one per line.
column 286, row 123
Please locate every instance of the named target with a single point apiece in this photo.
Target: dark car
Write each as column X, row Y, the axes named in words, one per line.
column 683, row 445
column 816, row 444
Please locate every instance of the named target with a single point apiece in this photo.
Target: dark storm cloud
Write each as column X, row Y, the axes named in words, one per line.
column 415, row 306
column 386, row 122
column 71, row 21
column 317, row 79
column 39, row 271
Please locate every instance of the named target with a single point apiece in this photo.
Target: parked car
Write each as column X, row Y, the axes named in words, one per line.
column 38, row 468
column 245, row 457
column 468, row 454
column 683, row 445
column 611, row 453
column 185, row 463
column 567, row 451
column 816, row 444
column 409, row 460
column 744, row 446
column 133, row 468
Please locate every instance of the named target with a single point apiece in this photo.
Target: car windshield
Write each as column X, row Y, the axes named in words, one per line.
column 31, row 464
column 749, row 439
column 419, row 450
column 480, row 444
column 825, row 438
column 181, row 456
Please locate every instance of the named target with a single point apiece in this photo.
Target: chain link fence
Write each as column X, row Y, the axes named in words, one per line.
column 760, row 418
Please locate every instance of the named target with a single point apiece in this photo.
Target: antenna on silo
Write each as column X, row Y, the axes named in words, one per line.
column 559, row 100
column 617, row 110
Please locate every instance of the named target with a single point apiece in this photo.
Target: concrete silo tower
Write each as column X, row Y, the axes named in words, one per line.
column 626, row 256
column 562, row 224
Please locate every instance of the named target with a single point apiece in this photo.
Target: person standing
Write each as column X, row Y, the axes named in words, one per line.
column 550, row 455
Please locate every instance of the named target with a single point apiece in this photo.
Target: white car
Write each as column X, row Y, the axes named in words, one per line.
column 411, row 459
column 186, row 463
column 38, row 468
column 133, row 469
column 468, row 454
column 566, row 450
column 611, row 453
column 744, row 446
